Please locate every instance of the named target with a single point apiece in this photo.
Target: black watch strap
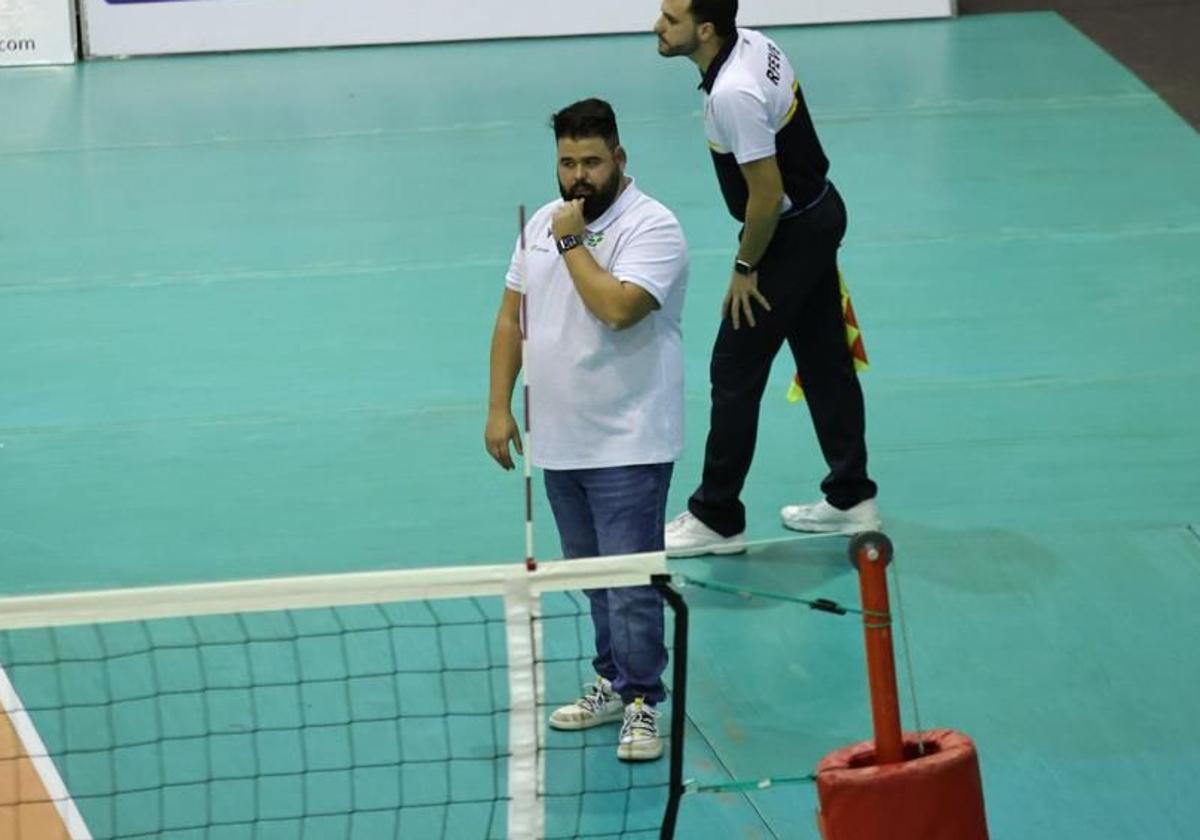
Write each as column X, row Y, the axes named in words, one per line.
column 743, row 267
column 568, row 242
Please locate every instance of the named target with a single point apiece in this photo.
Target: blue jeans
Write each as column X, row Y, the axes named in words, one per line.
column 618, row 510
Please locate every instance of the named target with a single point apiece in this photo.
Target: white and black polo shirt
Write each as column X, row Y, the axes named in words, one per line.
column 753, row 108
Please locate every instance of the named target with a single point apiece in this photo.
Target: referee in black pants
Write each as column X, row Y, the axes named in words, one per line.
column 784, row 284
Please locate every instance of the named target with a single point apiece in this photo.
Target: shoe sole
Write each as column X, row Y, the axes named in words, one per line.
column 575, row 726
column 849, row 528
column 702, row 550
column 634, row 755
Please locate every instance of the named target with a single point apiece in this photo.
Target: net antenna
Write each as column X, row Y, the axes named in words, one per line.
column 522, row 271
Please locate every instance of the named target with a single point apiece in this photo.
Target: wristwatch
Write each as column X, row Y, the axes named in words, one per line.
column 742, row 267
column 568, row 242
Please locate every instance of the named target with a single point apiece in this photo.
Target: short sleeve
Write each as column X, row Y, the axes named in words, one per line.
column 654, row 257
column 742, row 121
column 513, row 279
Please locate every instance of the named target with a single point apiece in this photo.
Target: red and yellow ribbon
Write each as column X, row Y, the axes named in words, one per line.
column 853, row 341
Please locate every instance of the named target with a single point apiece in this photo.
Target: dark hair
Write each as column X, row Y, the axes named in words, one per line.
column 722, row 14
column 587, row 118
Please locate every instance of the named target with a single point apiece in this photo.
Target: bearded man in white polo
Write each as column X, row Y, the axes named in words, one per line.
column 605, row 273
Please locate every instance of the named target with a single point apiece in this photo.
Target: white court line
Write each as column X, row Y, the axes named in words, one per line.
column 39, row 757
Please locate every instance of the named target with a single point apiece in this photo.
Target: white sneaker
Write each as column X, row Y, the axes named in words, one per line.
column 687, row 536
column 598, row 705
column 823, row 518
column 639, row 734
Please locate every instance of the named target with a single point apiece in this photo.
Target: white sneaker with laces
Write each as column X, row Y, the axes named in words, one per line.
column 639, row 734
column 687, row 536
column 823, row 518
column 598, row 705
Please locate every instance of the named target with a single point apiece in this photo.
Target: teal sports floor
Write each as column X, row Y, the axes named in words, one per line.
column 245, row 310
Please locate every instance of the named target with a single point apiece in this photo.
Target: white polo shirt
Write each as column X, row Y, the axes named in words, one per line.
column 602, row 397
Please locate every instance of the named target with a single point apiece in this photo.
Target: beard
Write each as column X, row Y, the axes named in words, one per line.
column 596, row 199
column 668, row 50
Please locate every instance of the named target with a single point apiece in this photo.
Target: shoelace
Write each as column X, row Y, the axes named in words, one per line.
column 642, row 720
column 593, row 698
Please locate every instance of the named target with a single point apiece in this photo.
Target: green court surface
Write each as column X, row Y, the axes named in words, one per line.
column 245, row 310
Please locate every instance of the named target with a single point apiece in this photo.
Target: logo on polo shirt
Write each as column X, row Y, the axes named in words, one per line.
column 593, row 239
column 535, row 246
